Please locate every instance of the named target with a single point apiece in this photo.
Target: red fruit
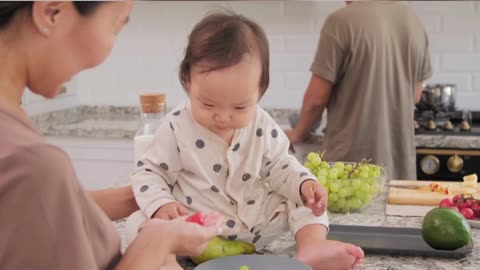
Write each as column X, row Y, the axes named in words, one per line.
column 196, row 218
column 476, row 210
column 454, row 208
column 457, row 199
column 445, row 203
column 467, row 213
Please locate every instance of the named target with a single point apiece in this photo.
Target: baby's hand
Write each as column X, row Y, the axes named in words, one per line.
column 314, row 196
column 171, row 210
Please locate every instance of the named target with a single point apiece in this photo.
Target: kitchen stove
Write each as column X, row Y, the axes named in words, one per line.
column 447, row 164
column 461, row 123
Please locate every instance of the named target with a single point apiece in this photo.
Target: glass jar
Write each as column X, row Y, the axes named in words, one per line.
column 153, row 107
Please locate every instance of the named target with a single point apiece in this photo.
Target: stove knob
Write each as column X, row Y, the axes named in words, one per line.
column 448, row 125
column 431, row 125
column 455, row 164
column 430, row 164
column 465, row 126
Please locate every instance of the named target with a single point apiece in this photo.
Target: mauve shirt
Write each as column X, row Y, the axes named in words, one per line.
column 48, row 221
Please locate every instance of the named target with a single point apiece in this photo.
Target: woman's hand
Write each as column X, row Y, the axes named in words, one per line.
column 188, row 239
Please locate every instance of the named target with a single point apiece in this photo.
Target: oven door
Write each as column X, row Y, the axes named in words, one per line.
column 446, row 164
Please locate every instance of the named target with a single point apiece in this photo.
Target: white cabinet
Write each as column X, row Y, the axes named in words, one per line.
column 99, row 163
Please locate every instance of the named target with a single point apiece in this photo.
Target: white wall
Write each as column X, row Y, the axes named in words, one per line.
column 149, row 49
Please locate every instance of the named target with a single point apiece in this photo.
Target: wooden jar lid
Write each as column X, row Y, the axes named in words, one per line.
column 153, row 102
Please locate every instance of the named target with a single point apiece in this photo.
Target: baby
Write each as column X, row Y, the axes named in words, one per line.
column 221, row 152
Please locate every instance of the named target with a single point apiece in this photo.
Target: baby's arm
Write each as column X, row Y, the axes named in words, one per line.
column 283, row 172
column 155, row 178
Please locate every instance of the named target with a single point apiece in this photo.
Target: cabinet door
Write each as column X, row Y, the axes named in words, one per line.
column 99, row 163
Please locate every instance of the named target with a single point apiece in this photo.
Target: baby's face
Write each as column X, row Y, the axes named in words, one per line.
column 224, row 100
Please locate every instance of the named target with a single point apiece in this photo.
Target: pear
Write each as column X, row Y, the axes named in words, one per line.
column 219, row 247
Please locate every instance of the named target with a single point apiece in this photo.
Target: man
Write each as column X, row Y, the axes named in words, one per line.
column 371, row 60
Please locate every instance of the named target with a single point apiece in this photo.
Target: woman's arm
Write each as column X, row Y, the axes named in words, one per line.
column 116, row 202
column 159, row 238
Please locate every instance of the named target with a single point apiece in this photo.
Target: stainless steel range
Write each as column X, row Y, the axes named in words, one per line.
column 453, row 163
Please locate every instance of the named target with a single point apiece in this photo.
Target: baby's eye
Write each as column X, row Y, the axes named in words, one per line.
column 239, row 108
column 207, row 105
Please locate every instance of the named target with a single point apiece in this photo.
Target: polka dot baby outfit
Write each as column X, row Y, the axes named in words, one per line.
column 254, row 182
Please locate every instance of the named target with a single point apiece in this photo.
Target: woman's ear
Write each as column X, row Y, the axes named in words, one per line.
column 45, row 15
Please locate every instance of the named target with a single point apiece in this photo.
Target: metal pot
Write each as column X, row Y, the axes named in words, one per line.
column 438, row 97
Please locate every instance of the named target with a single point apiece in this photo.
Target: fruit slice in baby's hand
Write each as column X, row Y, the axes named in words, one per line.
column 196, row 218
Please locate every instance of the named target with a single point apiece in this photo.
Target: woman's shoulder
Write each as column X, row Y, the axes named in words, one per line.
column 38, row 164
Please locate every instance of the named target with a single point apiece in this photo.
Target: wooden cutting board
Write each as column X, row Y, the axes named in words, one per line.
column 425, row 197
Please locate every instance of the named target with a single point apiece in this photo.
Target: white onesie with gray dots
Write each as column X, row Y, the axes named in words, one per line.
column 254, row 182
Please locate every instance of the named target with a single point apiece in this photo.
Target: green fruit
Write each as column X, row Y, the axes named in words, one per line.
column 219, row 247
column 445, row 229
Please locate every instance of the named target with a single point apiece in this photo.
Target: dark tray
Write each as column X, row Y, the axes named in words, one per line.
column 392, row 241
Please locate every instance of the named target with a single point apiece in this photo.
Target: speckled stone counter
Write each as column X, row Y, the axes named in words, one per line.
column 374, row 215
column 106, row 122
column 111, row 122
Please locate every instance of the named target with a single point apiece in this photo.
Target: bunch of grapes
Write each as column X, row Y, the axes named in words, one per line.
column 350, row 186
column 468, row 206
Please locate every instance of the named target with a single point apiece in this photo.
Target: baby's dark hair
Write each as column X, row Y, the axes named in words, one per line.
column 8, row 9
column 221, row 40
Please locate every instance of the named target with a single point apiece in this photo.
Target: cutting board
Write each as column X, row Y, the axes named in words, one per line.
column 425, row 197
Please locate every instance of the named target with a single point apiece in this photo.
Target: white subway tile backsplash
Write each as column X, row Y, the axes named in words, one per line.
column 312, row 8
column 297, row 81
column 463, row 81
column 443, row 7
column 461, row 23
column 306, row 44
column 257, row 9
column 461, row 62
column 476, row 82
column 451, row 43
column 431, row 23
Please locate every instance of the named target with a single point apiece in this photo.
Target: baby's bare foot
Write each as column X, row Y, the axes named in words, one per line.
column 330, row 255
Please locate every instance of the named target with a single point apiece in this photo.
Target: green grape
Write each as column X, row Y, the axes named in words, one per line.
column 356, row 203
column 345, row 183
column 341, row 203
column 312, row 155
column 364, row 168
column 332, row 174
column 371, row 180
column 365, row 197
column 349, row 167
column 363, row 175
column 322, row 179
column 341, row 174
column 316, row 161
column 342, row 193
column 356, row 183
column 339, row 165
column 325, row 165
column 244, row 267
column 333, row 197
column 365, row 187
column 374, row 187
column 334, row 187
column 322, row 171
column 308, row 165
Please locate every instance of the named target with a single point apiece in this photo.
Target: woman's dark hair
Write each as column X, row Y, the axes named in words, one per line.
column 8, row 9
column 220, row 40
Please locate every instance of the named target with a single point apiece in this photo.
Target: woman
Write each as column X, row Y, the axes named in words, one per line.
column 52, row 222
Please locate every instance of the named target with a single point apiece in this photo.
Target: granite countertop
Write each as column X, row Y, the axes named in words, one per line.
column 374, row 215
column 113, row 122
